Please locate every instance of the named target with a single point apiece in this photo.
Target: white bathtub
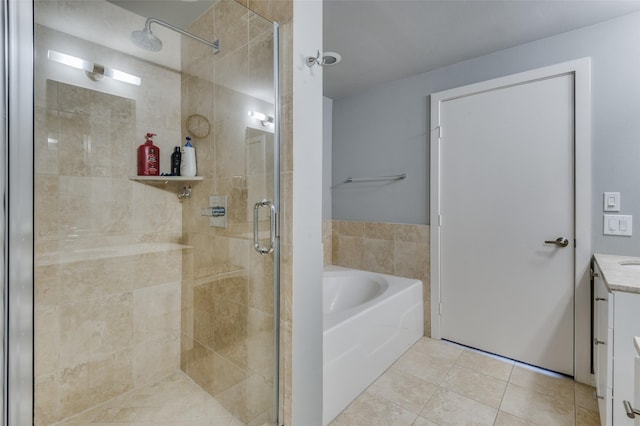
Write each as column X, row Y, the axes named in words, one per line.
column 369, row 320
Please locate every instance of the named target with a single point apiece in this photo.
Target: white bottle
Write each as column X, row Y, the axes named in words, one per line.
column 188, row 161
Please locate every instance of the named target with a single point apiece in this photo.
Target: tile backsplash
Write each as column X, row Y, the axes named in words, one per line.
column 388, row 248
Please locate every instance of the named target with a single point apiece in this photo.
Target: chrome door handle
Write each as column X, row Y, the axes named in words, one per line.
column 263, row 250
column 631, row 412
column 560, row 242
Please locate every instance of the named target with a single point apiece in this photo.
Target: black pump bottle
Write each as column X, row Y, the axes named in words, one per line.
column 176, row 158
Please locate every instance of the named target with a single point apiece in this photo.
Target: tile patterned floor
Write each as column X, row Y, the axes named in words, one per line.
column 176, row 401
column 434, row 383
column 439, row 383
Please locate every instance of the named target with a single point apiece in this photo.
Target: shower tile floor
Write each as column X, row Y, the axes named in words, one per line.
column 440, row 383
column 175, row 401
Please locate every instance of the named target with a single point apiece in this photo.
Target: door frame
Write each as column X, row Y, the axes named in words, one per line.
column 581, row 70
column 18, row 239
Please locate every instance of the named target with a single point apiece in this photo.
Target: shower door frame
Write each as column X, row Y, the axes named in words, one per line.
column 17, row 182
column 18, row 190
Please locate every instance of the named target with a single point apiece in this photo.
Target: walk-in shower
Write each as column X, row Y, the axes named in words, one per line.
column 144, row 309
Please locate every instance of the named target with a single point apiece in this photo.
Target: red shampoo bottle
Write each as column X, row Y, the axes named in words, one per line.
column 148, row 158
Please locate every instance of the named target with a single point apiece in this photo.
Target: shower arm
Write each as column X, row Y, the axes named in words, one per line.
column 147, row 26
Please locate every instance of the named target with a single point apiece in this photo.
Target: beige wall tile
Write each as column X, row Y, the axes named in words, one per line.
column 231, row 25
column 379, row 231
column 46, row 136
column 47, row 405
column 87, row 202
column 247, row 399
column 110, row 376
column 351, row 229
column 156, row 312
column 378, row 256
column 261, row 63
column 47, row 339
column 274, row 10
column 411, row 260
column 211, row 371
column 46, row 285
column 96, row 327
column 350, row 252
column 412, row 233
column 73, row 385
column 155, row 359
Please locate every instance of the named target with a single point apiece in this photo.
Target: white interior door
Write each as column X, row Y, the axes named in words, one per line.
column 506, row 177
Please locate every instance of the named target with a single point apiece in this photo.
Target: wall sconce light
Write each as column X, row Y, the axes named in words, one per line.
column 95, row 72
column 263, row 118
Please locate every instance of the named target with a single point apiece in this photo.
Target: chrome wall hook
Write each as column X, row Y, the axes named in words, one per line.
column 311, row 61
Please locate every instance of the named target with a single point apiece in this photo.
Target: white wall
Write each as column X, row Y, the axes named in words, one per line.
column 384, row 130
column 327, row 140
column 307, row 217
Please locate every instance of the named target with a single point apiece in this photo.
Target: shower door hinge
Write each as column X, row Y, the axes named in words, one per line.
column 439, row 220
column 439, row 308
column 440, row 132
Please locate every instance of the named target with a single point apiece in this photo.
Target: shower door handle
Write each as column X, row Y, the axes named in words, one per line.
column 263, row 250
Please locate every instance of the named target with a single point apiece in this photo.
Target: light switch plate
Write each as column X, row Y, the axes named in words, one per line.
column 611, row 202
column 618, row 224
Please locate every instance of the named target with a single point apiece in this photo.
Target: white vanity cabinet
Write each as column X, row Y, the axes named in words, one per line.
column 616, row 323
column 603, row 347
column 636, row 386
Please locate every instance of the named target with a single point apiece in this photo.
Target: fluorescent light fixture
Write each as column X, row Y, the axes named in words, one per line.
column 263, row 118
column 122, row 76
column 95, row 71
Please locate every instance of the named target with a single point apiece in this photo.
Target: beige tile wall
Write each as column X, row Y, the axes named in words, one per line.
column 388, row 248
column 225, row 311
column 105, row 321
column 227, row 288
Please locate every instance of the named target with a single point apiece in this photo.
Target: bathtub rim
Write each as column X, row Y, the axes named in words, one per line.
column 396, row 286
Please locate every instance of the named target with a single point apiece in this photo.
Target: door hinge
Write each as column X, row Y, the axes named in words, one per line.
column 439, row 308
column 439, row 220
column 439, row 132
column 575, row 244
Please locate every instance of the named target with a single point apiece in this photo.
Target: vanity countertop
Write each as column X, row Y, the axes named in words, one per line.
column 617, row 276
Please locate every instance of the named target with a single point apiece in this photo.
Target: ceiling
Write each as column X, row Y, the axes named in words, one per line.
column 177, row 12
column 386, row 40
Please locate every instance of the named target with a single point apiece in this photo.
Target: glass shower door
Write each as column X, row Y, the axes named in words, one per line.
column 151, row 303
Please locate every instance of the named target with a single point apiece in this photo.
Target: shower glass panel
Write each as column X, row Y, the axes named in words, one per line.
column 152, row 304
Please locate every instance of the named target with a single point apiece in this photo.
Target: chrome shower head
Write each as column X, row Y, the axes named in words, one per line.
column 146, row 40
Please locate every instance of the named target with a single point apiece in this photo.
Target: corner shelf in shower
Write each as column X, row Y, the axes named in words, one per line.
column 170, row 183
